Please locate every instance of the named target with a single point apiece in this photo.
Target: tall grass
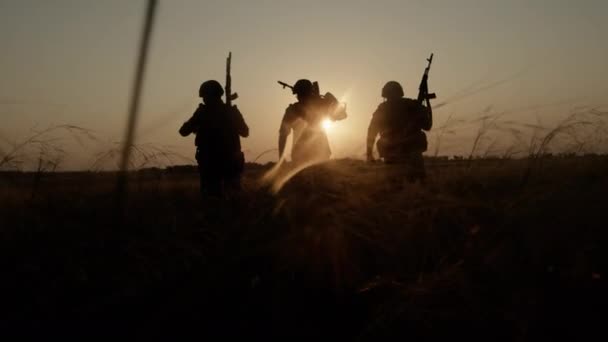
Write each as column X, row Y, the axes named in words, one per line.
column 43, row 148
column 343, row 249
column 582, row 130
column 145, row 155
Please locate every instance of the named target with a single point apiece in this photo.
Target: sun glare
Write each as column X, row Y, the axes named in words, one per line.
column 326, row 124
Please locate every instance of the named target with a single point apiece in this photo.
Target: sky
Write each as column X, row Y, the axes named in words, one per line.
column 72, row 62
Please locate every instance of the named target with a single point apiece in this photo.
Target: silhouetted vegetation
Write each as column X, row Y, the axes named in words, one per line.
column 345, row 249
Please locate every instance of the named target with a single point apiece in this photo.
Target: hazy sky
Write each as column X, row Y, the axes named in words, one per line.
column 72, row 62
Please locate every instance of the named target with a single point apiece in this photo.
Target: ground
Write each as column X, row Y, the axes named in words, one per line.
column 484, row 249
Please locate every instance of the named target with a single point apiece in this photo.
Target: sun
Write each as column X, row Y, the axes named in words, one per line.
column 326, row 124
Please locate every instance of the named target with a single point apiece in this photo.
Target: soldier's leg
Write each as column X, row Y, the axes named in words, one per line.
column 214, row 184
column 381, row 146
column 233, row 172
column 298, row 152
column 389, row 152
column 210, row 182
column 416, row 170
column 420, row 166
column 201, row 179
column 232, row 184
column 232, row 181
column 323, row 148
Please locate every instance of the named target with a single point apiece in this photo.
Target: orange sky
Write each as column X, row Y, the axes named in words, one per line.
column 72, row 62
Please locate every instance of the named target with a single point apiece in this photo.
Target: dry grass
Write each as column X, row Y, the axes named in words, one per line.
column 146, row 155
column 344, row 249
column 42, row 148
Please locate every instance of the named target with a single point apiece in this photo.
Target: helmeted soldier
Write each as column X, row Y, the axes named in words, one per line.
column 305, row 119
column 218, row 128
column 399, row 121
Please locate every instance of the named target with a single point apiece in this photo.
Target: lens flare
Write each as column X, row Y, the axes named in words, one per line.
column 326, row 124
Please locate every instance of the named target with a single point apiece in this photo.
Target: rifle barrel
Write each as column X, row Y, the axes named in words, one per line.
column 285, row 85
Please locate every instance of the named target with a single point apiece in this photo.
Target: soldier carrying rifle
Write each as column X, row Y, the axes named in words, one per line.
column 218, row 127
column 400, row 122
column 305, row 118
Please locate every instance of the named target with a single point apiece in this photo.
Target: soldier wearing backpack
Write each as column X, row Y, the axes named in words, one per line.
column 305, row 119
column 400, row 122
column 218, row 128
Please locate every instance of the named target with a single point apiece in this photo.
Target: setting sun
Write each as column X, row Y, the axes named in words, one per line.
column 326, row 124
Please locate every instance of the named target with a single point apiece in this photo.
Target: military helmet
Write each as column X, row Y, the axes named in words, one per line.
column 303, row 87
column 392, row 89
column 211, row 88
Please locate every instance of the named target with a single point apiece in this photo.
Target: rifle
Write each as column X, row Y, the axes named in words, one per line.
column 329, row 98
column 315, row 87
column 229, row 95
column 423, row 89
column 423, row 93
column 285, row 85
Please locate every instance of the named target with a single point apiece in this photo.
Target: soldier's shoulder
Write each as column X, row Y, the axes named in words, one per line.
column 382, row 107
column 294, row 107
column 232, row 108
column 200, row 108
column 408, row 101
column 410, row 104
column 328, row 98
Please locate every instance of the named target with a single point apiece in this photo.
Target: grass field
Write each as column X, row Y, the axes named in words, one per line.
column 487, row 249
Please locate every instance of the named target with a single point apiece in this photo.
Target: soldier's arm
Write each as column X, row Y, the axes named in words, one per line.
column 286, row 125
column 429, row 114
column 241, row 126
column 372, row 132
column 425, row 115
column 190, row 126
column 338, row 112
column 282, row 142
column 187, row 128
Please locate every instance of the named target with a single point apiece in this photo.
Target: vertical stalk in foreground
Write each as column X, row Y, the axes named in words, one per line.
column 135, row 98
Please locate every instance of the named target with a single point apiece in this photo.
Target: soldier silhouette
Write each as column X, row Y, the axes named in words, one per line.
column 305, row 119
column 218, row 128
column 399, row 121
